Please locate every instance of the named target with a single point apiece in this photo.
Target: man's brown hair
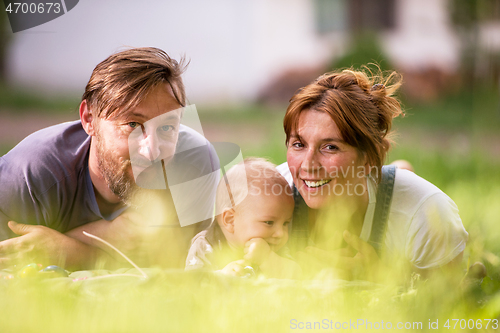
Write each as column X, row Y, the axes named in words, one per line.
column 123, row 80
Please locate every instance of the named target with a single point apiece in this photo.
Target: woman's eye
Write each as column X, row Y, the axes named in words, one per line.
column 297, row 145
column 332, row 147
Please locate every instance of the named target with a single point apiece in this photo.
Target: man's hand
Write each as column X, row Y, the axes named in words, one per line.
column 256, row 251
column 40, row 244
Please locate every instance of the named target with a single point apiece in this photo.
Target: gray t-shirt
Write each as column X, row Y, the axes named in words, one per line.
column 45, row 179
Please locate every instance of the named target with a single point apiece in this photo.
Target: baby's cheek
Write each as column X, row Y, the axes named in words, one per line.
column 283, row 242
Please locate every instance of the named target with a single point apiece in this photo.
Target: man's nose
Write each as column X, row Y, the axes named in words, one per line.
column 149, row 146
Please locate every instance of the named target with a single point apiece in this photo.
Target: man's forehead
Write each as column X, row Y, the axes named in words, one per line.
column 157, row 101
column 172, row 115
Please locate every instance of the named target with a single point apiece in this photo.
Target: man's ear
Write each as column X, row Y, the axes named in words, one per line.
column 88, row 118
column 227, row 220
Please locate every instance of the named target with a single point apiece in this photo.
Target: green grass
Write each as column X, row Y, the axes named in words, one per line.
column 176, row 301
column 18, row 100
column 4, row 149
column 471, row 111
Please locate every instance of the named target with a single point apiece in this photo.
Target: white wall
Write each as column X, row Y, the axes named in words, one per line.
column 234, row 46
column 423, row 37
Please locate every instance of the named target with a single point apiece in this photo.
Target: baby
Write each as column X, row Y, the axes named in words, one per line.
column 254, row 207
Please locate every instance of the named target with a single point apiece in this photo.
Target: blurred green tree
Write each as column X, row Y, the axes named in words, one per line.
column 479, row 65
column 4, row 41
column 365, row 48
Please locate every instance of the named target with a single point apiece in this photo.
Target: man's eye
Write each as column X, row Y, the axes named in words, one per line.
column 166, row 128
column 133, row 124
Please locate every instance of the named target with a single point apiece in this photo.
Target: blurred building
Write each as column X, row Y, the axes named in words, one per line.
column 240, row 49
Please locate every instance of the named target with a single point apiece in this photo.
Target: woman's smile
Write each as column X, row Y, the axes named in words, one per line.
column 317, row 183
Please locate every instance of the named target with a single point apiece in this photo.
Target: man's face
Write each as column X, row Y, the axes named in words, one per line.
column 137, row 139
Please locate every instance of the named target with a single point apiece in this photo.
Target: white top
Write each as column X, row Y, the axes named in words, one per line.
column 423, row 226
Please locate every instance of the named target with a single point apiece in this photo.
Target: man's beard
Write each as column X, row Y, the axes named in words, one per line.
column 115, row 173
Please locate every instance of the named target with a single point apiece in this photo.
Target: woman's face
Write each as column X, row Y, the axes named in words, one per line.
column 322, row 164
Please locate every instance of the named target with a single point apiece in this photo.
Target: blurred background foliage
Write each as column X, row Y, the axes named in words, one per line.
column 5, row 37
column 365, row 49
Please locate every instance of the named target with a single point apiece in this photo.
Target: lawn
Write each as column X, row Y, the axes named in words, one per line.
column 451, row 142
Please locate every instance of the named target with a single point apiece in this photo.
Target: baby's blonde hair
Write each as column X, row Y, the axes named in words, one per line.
column 253, row 176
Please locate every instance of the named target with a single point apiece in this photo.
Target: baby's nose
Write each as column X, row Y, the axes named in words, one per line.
column 278, row 232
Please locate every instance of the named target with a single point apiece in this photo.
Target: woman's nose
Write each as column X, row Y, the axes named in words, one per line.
column 310, row 161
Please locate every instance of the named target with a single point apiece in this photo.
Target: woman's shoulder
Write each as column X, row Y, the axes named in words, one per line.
column 409, row 187
column 424, row 222
column 417, row 202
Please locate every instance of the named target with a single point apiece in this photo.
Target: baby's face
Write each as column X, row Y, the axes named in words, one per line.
column 263, row 216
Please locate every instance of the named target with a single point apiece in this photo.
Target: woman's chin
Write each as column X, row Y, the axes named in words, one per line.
column 315, row 198
column 314, row 201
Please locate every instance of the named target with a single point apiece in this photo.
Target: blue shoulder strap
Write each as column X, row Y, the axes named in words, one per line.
column 382, row 207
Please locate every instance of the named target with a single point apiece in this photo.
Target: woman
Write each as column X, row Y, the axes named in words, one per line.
column 337, row 135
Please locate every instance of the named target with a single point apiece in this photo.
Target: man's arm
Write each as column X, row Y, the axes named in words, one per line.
column 46, row 246
column 121, row 233
column 5, row 232
column 143, row 239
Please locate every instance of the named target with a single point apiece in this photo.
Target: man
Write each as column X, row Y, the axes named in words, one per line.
column 78, row 176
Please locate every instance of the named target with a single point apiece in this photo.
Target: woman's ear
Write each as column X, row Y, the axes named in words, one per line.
column 87, row 118
column 227, row 220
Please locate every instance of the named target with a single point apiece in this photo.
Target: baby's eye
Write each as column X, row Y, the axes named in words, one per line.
column 269, row 222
